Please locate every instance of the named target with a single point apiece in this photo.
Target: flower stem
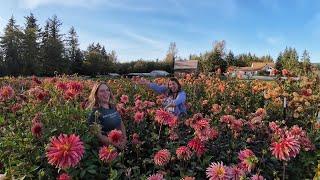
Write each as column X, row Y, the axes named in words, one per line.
column 284, row 170
column 159, row 131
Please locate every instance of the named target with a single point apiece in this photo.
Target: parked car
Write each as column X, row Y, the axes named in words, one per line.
column 114, row 74
column 138, row 74
column 159, row 73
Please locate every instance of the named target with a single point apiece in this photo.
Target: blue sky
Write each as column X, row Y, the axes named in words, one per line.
column 144, row 28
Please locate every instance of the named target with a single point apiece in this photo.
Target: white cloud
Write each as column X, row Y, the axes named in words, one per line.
column 144, row 39
column 123, row 5
column 33, row 4
column 128, row 44
column 274, row 40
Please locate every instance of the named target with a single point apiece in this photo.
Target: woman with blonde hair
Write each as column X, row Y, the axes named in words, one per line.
column 104, row 113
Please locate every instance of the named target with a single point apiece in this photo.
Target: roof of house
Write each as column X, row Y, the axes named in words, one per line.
column 190, row 64
column 255, row 66
column 260, row 65
column 248, row 69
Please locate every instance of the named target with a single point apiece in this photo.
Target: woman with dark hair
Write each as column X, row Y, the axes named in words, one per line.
column 104, row 113
column 175, row 96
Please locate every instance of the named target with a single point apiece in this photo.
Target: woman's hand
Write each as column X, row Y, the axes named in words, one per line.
column 140, row 80
column 122, row 146
column 103, row 139
column 172, row 104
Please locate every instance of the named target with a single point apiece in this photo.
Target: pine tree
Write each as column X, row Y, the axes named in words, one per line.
column 73, row 52
column 44, row 50
column 279, row 65
column 306, row 64
column 93, row 63
column 266, row 58
column 290, row 60
column 30, row 44
column 215, row 59
column 230, row 59
column 11, row 45
column 52, row 48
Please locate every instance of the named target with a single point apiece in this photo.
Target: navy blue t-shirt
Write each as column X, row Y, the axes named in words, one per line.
column 109, row 119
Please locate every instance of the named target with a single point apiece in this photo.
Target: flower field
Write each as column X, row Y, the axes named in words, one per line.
column 235, row 129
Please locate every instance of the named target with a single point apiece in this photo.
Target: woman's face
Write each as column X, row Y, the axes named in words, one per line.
column 103, row 94
column 173, row 86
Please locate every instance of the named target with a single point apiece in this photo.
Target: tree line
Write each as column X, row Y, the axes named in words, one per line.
column 218, row 57
column 46, row 51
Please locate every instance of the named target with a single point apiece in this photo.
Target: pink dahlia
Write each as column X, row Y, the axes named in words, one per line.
column 217, row 171
column 162, row 157
column 107, row 153
column 6, row 93
column 116, row 137
column 183, row 153
column 285, row 148
column 124, row 99
column 65, row 151
column 138, row 117
column 248, row 160
column 36, row 129
column 156, row 176
column 198, row 146
column 64, row 176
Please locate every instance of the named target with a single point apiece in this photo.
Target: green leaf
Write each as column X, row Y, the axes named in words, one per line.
column 92, row 171
column 1, row 120
column 113, row 174
column 82, row 173
column 54, row 130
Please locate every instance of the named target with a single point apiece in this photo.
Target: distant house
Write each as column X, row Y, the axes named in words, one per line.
column 264, row 66
column 189, row 66
column 255, row 69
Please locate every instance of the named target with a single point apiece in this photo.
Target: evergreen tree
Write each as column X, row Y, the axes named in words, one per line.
column 44, row 49
column 74, row 53
column 279, row 65
column 290, row 60
column 30, row 46
column 53, row 48
column 11, row 45
column 266, row 58
column 305, row 60
column 230, row 59
column 215, row 59
column 97, row 60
